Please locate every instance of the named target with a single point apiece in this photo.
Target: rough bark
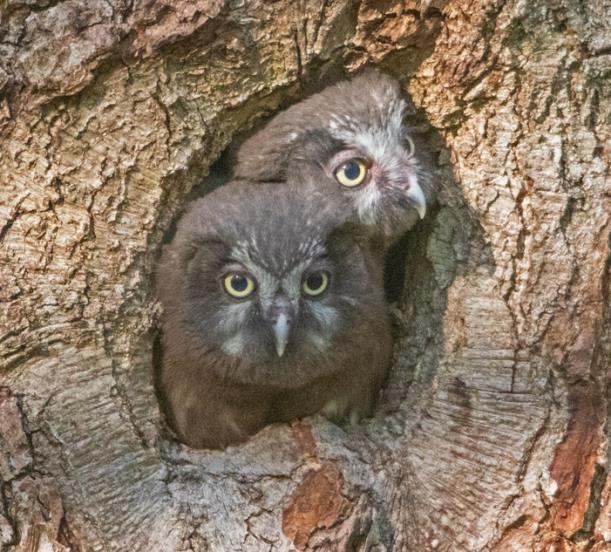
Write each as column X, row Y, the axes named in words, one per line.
column 493, row 433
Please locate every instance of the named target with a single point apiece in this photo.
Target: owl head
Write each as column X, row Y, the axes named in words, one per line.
column 269, row 285
column 355, row 131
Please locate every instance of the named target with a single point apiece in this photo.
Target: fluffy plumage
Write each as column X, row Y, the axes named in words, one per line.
column 358, row 119
column 231, row 366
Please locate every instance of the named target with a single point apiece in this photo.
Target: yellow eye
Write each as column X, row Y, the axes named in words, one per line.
column 238, row 285
column 316, row 283
column 351, row 173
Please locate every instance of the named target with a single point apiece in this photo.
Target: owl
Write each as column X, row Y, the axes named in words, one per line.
column 273, row 310
column 355, row 132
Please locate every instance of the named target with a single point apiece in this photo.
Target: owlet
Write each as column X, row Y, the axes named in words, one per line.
column 355, row 131
column 273, row 310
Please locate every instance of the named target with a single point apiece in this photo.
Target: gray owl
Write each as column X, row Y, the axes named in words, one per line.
column 273, row 310
column 355, row 132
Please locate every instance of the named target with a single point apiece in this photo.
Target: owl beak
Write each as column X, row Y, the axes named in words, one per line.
column 416, row 197
column 281, row 332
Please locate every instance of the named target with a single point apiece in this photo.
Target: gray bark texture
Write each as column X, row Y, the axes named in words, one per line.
column 493, row 431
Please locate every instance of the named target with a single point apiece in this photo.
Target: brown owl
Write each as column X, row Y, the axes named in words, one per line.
column 273, row 310
column 355, row 132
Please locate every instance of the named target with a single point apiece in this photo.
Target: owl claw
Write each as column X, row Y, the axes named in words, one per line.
column 417, row 198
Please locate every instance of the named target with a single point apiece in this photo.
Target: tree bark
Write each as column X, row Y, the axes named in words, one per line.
column 493, row 431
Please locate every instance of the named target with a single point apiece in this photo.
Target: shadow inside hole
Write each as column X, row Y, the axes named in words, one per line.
column 394, row 268
column 409, row 250
column 220, row 173
column 157, row 354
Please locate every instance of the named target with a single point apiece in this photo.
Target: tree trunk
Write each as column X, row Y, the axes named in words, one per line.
column 493, row 431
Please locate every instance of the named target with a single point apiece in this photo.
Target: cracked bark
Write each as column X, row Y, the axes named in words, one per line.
column 493, row 432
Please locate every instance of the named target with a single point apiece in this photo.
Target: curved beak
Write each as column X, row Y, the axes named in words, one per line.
column 416, row 197
column 280, row 314
column 281, row 332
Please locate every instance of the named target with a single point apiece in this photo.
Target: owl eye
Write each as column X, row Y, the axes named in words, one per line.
column 238, row 285
column 316, row 283
column 351, row 173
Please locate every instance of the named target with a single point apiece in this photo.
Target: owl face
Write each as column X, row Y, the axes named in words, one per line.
column 355, row 132
column 369, row 171
column 270, row 284
column 267, row 308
